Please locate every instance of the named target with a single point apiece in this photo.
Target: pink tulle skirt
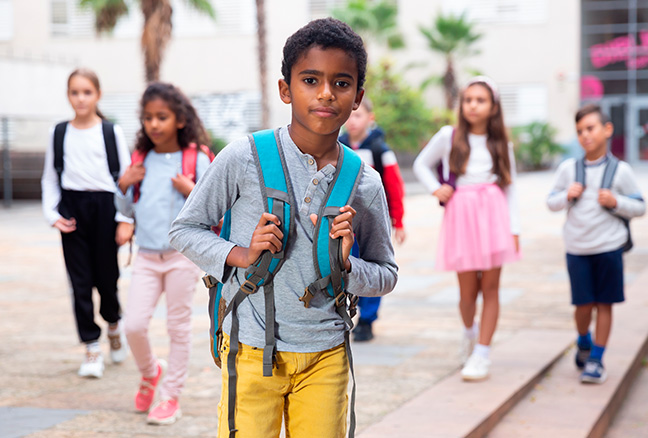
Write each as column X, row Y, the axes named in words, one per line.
column 476, row 231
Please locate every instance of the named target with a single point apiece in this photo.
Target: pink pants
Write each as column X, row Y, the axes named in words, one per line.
column 154, row 273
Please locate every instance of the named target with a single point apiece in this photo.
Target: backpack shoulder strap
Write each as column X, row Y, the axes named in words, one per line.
column 59, row 137
column 189, row 160
column 580, row 171
column 327, row 252
column 111, row 148
column 137, row 157
column 610, row 171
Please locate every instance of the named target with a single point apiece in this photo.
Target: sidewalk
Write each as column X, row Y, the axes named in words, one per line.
column 417, row 335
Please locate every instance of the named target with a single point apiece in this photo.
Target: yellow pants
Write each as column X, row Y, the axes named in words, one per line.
column 309, row 390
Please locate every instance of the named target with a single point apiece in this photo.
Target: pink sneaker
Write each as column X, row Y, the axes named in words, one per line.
column 164, row 412
column 146, row 391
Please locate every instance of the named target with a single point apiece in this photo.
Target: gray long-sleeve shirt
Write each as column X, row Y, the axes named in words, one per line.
column 232, row 182
column 590, row 228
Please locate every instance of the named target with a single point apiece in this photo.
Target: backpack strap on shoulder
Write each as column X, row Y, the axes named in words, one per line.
column 580, row 171
column 137, row 157
column 610, row 171
column 327, row 252
column 59, row 137
column 111, row 148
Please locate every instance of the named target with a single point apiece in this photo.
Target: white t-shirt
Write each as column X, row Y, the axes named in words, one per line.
column 479, row 169
column 85, row 167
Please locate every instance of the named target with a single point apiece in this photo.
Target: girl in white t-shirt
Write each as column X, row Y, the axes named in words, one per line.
column 474, row 178
column 78, row 187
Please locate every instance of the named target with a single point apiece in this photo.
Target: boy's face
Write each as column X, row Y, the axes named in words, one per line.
column 593, row 135
column 359, row 122
column 323, row 92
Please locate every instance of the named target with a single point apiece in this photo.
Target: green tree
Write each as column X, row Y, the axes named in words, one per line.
column 535, row 145
column 453, row 37
column 156, row 32
column 401, row 110
column 375, row 20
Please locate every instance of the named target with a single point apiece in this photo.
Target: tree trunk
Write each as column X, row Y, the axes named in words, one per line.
column 450, row 84
column 155, row 35
column 261, row 36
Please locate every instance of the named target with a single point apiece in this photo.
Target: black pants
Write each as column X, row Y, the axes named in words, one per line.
column 91, row 257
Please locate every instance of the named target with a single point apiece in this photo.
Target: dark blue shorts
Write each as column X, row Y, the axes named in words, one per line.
column 596, row 278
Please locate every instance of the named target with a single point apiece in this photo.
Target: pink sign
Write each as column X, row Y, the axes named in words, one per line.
column 591, row 88
column 622, row 49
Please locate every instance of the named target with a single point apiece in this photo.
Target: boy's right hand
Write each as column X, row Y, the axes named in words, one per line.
column 444, row 193
column 575, row 191
column 65, row 225
column 132, row 175
column 267, row 236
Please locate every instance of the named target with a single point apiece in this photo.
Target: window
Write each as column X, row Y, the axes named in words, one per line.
column 6, row 20
column 232, row 17
column 69, row 19
column 323, row 8
column 523, row 104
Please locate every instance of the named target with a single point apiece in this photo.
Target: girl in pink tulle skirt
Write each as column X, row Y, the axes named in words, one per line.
column 471, row 170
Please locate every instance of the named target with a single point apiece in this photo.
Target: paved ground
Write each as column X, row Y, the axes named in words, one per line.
column 416, row 344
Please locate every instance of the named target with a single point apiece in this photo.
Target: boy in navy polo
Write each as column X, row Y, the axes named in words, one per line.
column 595, row 235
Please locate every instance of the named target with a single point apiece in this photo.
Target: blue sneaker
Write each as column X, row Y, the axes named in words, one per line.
column 594, row 372
column 582, row 354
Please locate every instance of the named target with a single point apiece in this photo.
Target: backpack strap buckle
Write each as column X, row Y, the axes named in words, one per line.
column 248, row 287
column 340, row 299
column 307, row 297
column 209, row 281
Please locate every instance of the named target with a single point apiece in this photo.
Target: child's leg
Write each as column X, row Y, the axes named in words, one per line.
column 583, row 318
column 368, row 309
column 76, row 251
column 317, row 405
column 259, row 399
column 603, row 324
column 180, row 283
column 145, row 291
column 104, row 257
column 490, row 311
column 469, row 285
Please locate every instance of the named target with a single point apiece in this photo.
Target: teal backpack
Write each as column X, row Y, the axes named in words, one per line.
column 278, row 199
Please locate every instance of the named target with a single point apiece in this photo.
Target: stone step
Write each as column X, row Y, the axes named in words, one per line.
column 453, row 408
column 561, row 406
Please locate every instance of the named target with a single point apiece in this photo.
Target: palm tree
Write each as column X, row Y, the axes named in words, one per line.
column 157, row 25
column 374, row 19
column 261, row 51
column 453, row 37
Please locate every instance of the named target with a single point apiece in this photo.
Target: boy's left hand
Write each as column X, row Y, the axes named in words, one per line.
column 607, row 199
column 184, row 184
column 342, row 227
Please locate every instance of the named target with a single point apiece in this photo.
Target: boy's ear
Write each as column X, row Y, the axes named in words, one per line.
column 608, row 128
column 358, row 99
column 284, row 91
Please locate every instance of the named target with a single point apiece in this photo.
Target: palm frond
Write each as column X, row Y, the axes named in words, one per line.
column 107, row 12
column 203, row 6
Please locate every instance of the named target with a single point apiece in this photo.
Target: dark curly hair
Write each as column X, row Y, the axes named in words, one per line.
column 193, row 130
column 327, row 33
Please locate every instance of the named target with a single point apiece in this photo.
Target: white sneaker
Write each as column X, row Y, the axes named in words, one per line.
column 118, row 346
column 93, row 365
column 467, row 347
column 476, row 368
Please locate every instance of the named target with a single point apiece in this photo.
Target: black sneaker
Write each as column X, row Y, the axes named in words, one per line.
column 582, row 354
column 362, row 332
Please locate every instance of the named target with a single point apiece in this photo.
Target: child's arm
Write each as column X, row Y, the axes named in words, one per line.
column 395, row 189
column 124, row 164
column 52, row 191
column 512, row 198
column 626, row 199
column 374, row 273
column 214, row 194
column 563, row 190
column 430, row 157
